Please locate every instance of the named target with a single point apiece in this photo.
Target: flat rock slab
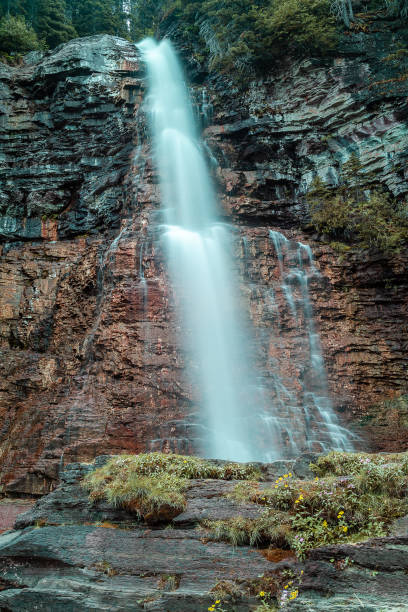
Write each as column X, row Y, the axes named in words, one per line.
column 136, row 551
column 400, row 527
column 366, row 577
column 206, row 500
column 65, row 567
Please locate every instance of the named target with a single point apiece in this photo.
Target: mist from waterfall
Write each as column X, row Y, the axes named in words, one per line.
column 243, row 418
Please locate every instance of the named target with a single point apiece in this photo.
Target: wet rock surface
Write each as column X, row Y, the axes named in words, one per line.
column 66, row 554
column 91, row 355
column 67, row 133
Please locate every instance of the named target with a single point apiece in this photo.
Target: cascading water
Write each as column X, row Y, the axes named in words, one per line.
column 237, row 412
column 197, row 246
column 317, row 426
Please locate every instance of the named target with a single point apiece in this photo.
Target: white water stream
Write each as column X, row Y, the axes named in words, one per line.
column 236, row 412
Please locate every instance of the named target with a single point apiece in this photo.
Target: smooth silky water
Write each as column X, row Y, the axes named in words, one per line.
column 240, row 421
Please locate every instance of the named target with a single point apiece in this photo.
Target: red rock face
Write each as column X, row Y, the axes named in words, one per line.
column 92, row 351
column 9, row 511
column 96, row 360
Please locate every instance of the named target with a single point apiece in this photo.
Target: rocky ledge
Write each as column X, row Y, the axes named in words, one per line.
column 68, row 554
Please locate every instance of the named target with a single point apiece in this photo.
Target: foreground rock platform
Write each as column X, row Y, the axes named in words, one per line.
column 66, row 555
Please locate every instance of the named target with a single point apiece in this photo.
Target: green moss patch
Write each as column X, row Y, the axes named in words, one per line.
column 153, row 484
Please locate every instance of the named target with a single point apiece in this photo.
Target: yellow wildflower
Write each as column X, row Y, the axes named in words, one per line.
column 286, row 486
column 290, row 474
column 218, row 601
column 280, row 478
column 324, row 523
column 286, row 586
column 316, row 479
column 262, row 594
column 296, row 501
column 285, row 475
column 345, row 528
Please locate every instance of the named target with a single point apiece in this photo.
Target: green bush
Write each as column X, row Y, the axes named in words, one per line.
column 337, row 463
column 388, row 479
column 241, row 37
column 17, row 36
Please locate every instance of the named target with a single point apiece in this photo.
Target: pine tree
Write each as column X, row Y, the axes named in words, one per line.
column 52, row 23
column 16, row 35
column 99, row 17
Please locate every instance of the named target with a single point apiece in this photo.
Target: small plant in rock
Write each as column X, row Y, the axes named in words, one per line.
column 269, row 528
column 282, row 494
column 105, row 567
column 387, row 479
column 243, row 492
column 265, row 604
column 216, row 607
column 227, row 590
column 355, row 211
column 169, row 582
column 313, row 531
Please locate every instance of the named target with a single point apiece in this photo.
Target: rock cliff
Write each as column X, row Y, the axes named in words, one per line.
column 91, row 355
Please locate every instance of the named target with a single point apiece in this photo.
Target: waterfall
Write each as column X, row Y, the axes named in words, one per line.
column 198, row 252
column 240, row 419
column 317, row 426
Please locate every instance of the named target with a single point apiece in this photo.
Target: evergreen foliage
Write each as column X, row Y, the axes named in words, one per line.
column 239, row 37
column 246, row 35
column 52, row 23
column 16, row 35
column 99, row 17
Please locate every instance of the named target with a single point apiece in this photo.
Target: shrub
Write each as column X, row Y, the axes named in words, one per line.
column 343, row 464
column 247, row 491
column 17, row 36
column 387, row 479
